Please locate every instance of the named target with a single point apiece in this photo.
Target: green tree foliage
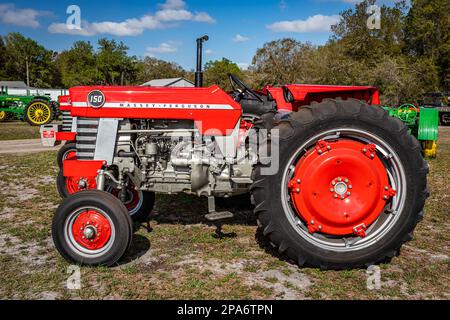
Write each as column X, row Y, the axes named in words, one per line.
column 403, row 64
column 115, row 66
column 216, row 72
column 427, row 35
column 151, row 68
column 281, row 61
column 78, row 65
column 17, row 50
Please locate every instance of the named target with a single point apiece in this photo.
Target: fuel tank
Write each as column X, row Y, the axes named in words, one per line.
column 212, row 109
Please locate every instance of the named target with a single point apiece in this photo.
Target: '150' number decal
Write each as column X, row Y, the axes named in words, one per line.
column 96, row 99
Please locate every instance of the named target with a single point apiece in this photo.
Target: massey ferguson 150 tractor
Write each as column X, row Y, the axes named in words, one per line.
column 336, row 182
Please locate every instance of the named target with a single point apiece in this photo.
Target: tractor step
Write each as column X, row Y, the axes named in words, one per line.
column 213, row 215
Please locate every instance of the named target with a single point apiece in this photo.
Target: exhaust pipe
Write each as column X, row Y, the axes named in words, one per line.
column 198, row 71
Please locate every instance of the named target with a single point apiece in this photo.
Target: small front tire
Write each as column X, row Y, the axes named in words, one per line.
column 92, row 228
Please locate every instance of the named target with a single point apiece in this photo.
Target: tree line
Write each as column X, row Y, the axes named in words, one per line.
column 408, row 56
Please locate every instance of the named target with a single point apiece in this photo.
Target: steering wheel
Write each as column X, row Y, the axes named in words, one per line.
column 241, row 87
column 407, row 112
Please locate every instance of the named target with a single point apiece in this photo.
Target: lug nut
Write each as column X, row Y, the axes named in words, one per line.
column 333, row 183
column 328, row 148
column 335, row 196
column 348, row 193
column 385, row 197
column 312, row 221
column 350, row 186
column 346, row 180
column 339, row 179
column 331, row 189
column 364, row 150
column 297, row 190
column 298, row 180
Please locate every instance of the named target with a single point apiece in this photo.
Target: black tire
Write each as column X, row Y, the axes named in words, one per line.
column 110, row 207
column 64, row 151
column 306, row 124
column 61, row 185
column 51, row 110
column 137, row 214
column 141, row 213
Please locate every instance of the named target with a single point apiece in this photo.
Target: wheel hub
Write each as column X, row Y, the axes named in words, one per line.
column 76, row 184
column 91, row 230
column 340, row 187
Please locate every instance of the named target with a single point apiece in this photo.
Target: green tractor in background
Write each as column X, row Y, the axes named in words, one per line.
column 422, row 122
column 37, row 110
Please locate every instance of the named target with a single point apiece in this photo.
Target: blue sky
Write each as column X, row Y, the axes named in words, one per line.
column 167, row 29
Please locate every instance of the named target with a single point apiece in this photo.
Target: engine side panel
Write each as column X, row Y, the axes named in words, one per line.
column 213, row 110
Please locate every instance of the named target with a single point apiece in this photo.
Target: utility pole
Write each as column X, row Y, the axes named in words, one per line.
column 28, row 76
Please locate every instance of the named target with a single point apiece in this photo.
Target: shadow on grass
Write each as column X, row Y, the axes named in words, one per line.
column 140, row 246
column 186, row 210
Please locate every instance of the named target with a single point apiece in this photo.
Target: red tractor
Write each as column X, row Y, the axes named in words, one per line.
column 336, row 182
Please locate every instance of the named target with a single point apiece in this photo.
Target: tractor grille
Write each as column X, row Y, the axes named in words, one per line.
column 86, row 138
column 66, row 121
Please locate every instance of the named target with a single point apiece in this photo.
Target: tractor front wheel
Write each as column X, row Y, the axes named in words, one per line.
column 68, row 150
column 39, row 112
column 92, row 228
column 350, row 187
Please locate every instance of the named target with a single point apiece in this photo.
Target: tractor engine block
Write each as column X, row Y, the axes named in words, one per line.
column 170, row 156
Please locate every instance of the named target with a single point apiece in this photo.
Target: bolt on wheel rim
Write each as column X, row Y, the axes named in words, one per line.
column 341, row 189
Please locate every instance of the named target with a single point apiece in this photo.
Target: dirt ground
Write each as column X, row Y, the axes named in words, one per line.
column 182, row 259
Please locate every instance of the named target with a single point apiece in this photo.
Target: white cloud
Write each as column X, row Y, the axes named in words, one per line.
column 209, row 52
column 316, row 23
column 240, row 38
column 9, row 14
column 129, row 27
column 203, row 17
column 165, row 47
column 171, row 11
column 173, row 5
column 243, row 65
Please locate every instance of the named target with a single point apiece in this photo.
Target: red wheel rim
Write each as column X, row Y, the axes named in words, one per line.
column 70, row 155
column 132, row 197
column 91, row 230
column 77, row 184
column 340, row 188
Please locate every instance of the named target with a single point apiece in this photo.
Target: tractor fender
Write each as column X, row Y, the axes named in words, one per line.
column 428, row 124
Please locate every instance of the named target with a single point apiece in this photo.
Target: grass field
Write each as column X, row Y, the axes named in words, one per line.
column 182, row 259
column 17, row 130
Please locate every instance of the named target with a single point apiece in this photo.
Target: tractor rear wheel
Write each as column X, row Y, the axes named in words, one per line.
column 39, row 112
column 92, row 228
column 350, row 187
